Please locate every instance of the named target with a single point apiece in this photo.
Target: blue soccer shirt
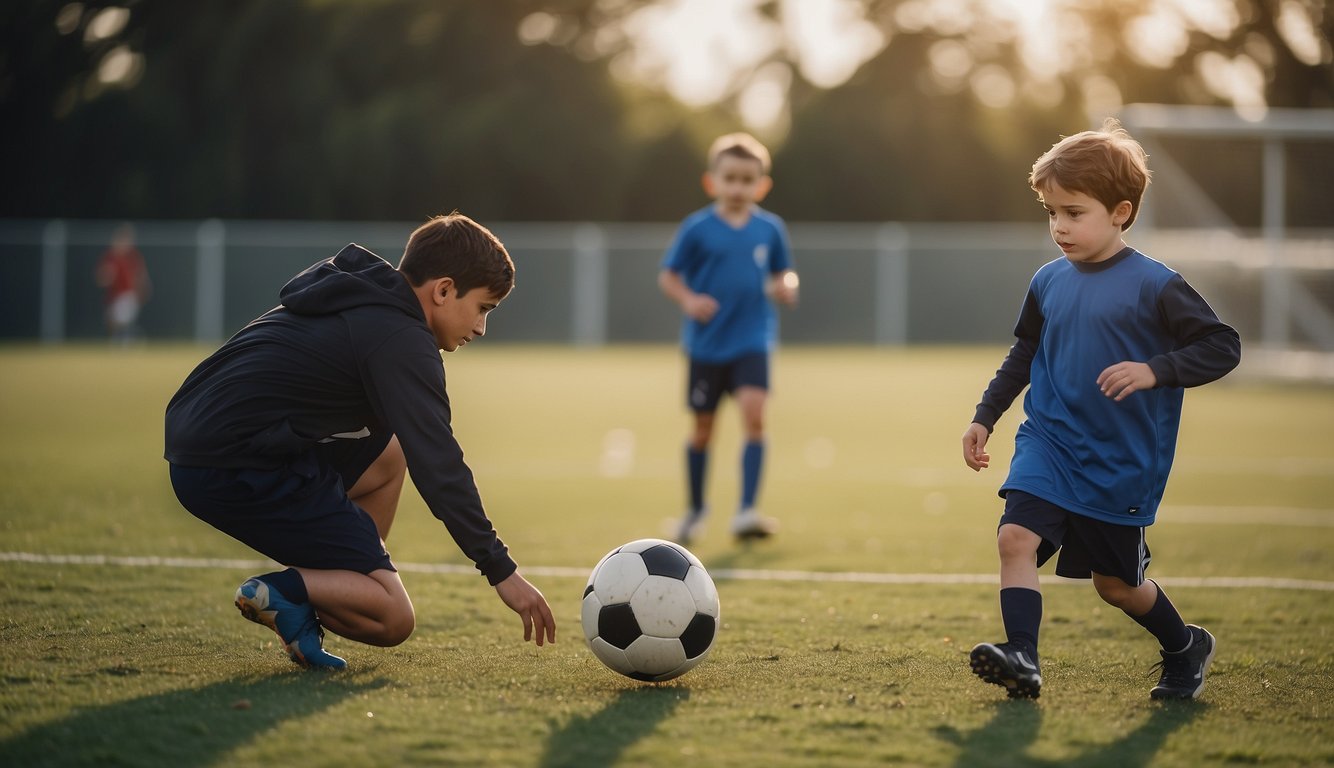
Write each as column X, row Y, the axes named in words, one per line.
column 1078, row 448
column 733, row 265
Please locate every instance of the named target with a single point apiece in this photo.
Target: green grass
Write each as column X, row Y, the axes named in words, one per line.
column 116, row 665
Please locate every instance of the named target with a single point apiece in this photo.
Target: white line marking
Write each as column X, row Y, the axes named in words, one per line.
column 721, row 574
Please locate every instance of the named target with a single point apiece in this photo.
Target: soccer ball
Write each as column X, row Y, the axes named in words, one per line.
column 650, row 610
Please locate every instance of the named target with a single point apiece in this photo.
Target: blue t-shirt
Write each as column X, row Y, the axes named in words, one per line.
column 733, row 265
column 1078, row 448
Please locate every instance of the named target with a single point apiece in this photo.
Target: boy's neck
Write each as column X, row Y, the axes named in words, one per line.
column 733, row 216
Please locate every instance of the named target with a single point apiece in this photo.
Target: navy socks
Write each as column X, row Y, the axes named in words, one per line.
column 289, row 583
column 1165, row 623
column 696, row 461
column 752, row 460
column 1021, row 612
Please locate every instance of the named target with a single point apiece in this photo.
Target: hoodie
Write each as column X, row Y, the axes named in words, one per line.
column 346, row 354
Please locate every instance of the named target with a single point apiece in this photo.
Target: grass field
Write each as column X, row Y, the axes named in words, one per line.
column 143, row 662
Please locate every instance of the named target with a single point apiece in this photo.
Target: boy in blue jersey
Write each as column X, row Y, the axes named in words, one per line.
column 728, row 263
column 295, row 436
column 1105, row 343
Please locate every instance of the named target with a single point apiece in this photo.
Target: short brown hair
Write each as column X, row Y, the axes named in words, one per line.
column 741, row 145
column 1106, row 164
column 457, row 247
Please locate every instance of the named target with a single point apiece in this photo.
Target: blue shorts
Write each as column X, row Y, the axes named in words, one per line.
column 1087, row 546
column 298, row 514
column 708, row 382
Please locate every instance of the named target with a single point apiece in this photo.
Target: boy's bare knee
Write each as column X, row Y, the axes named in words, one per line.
column 1114, row 592
column 1013, row 541
column 395, row 631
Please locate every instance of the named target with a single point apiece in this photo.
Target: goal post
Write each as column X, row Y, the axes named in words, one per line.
column 1277, row 279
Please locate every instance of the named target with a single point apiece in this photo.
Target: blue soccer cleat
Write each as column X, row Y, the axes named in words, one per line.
column 294, row 623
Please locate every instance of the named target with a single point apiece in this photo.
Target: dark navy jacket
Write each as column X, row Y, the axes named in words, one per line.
column 1078, row 448
column 347, row 352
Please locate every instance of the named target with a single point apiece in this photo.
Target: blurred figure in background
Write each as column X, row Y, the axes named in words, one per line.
column 728, row 263
column 122, row 275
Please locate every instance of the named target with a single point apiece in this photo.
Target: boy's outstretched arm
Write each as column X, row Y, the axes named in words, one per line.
column 525, row 599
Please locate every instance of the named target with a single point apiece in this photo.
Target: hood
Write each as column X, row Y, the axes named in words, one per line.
column 353, row 278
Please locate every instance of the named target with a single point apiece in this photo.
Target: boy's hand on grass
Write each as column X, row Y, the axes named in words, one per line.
column 1121, row 380
column 974, row 447
column 525, row 599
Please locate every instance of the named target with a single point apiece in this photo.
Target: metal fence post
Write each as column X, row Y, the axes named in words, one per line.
column 588, row 285
column 210, row 272
column 891, row 285
column 55, row 239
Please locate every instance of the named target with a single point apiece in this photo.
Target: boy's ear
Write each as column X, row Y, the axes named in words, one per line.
column 763, row 187
column 440, row 291
column 1121, row 213
column 706, row 181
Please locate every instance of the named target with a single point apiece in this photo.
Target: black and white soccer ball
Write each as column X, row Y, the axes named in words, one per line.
column 650, row 610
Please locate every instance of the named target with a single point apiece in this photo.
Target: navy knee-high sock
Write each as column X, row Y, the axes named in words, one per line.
column 1021, row 612
column 288, row 583
column 752, row 461
column 696, row 462
column 1165, row 623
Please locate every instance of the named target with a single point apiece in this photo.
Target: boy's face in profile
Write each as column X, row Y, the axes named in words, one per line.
column 1082, row 227
column 736, row 182
column 456, row 320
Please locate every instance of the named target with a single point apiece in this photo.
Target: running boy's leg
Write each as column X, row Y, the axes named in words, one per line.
column 751, row 401
column 1187, row 650
column 750, row 379
column 1014, row 663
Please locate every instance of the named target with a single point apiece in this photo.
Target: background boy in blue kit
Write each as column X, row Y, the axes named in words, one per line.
column 726, row 266
column 294, row 438
column 1106, row 340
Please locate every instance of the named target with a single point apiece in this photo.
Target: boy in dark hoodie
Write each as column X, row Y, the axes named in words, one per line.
column 294, row 438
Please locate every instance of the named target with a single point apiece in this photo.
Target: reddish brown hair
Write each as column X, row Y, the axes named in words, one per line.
column 1107, row 165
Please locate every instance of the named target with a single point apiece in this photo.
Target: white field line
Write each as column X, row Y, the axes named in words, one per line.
column 720, row 574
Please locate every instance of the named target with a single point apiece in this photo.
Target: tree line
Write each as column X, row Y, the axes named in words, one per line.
column 400, row 109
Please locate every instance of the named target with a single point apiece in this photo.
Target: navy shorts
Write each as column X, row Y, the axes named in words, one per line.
column 298, row 514
column 1087, row 546
column 708, row 382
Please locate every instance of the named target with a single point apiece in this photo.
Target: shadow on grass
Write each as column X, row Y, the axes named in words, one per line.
column 601, row 738
column 195, row 726
column 1015, row 725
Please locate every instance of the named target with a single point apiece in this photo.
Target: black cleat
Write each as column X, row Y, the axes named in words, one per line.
column 1004, row 665
column 1184, row 671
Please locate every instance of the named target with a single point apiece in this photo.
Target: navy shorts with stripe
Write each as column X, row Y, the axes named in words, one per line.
column 298, row 514
column 1087, row 546
column 708, row 382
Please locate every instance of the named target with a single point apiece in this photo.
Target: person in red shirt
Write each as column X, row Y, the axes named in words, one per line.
column 122, row 274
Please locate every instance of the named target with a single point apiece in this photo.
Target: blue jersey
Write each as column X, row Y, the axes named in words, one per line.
column 733, row 265
column 1078, row 448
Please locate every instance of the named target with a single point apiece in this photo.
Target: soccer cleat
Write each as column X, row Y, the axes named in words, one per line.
column 692, row 526
column 1009, row 667
column 750, row 524
column 294, row 623
column 1183, row 672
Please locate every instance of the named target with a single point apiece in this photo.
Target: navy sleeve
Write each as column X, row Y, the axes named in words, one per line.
column 1013, row 374
column 1206, row 347
column 406, row 385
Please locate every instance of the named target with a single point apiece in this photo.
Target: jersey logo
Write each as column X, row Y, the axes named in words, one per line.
column 358, row 435
column 761, row 254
